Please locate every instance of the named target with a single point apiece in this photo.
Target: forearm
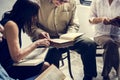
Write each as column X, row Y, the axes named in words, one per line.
column 96, row 20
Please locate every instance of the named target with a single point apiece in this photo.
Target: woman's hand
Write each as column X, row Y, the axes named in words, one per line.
column 42, row 42
column 43, row 35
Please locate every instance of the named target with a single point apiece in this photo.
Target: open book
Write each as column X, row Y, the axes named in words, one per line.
column 51, row 73
column 34, row 58
column 65, row 40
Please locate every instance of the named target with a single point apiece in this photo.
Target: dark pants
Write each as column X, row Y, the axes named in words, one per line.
column 24, row 72
column 53, row 56
column 111, row 53
column 85, row 47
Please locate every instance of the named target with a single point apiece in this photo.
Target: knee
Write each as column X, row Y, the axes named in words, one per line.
column 86, row 44
column 110, row 43
column 90, row 44
column 45, row 66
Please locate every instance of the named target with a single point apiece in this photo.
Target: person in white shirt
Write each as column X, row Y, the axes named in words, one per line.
column 102, row 15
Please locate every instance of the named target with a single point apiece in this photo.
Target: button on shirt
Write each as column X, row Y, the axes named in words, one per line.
column 101, row 8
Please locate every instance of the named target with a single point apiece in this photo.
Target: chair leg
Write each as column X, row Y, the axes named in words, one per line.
column 62, row 62
column 69, row 64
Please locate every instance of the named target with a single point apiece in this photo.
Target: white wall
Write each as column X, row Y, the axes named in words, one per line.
column 5, row 5
column 83, row 14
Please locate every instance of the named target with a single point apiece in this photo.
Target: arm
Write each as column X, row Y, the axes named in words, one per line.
column 93, row 18
column 36, row 33
column 73, row 25
column 16, row 52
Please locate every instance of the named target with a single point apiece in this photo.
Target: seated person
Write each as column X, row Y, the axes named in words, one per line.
column 23, row 12
column 104, row 16
column 58, row 17
column 3, row 73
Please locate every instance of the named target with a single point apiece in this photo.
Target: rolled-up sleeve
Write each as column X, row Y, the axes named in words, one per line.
column 74, row 22
column 93, row 11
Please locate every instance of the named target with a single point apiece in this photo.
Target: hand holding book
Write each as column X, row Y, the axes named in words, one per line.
column 65, row 40
column 115, row 21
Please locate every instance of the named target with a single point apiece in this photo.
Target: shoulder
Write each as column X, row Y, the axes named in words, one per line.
column 98, row 2
column 11, row 25
column 72, row 2
column 70, row 5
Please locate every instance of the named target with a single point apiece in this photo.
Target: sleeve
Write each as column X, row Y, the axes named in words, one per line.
column 33, row 32
column 74, row 22
column 93, row 12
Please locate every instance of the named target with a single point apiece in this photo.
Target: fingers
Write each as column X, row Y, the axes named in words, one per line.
column 43, row 35
column 1, row 37
column 106, row 21
column 43, row 42
column 47, row 36
column 56, row 2
column 47, row 43
column 1, row 28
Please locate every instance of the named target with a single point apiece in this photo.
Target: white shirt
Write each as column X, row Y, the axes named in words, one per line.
column 101, row 8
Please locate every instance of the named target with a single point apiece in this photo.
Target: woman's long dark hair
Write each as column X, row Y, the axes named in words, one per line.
column 22, row 12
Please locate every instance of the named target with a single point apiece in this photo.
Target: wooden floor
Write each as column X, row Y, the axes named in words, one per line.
column 77, row 68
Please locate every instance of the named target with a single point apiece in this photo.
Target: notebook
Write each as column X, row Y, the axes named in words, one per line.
column 51, row 73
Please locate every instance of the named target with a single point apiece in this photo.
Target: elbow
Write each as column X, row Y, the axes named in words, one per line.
column 16, row 58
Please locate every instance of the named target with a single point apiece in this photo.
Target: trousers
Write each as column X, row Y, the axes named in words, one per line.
column 111, row 54
column 83, row 46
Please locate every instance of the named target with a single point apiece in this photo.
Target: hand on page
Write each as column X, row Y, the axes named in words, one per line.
column 44, row 35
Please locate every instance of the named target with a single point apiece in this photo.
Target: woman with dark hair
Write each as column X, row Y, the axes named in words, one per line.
column 24, row 12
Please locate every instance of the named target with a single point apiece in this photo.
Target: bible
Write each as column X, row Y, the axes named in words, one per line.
column 65, row 40
column 51, row 73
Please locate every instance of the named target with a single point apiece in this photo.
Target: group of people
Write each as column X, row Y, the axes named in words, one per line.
column 46, row 19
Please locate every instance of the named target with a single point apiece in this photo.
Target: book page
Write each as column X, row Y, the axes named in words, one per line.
column 70, row 36
column 60, row 41
column 65, row 40
column 52, row 73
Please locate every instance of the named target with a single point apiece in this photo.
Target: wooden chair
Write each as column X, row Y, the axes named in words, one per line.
column 66, row 50
column 99, row 54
